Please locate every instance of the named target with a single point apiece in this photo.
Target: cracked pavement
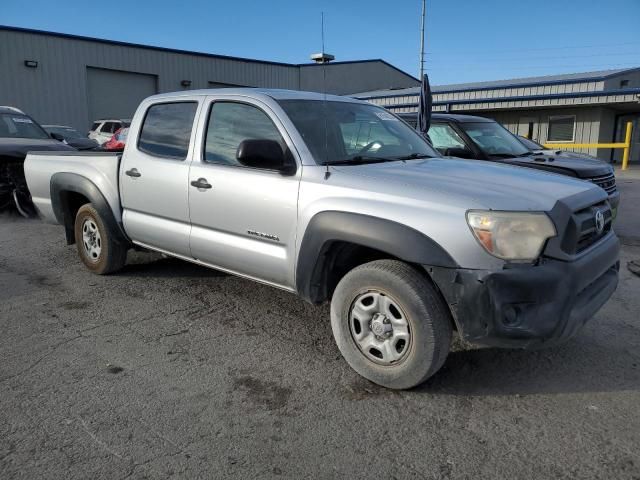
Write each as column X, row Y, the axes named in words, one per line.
column 170, row 370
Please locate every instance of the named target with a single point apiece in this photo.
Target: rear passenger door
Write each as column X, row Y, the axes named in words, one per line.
column 154, row 175
column 245, row 221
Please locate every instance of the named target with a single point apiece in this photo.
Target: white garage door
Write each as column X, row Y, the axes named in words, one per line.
column 116, row 94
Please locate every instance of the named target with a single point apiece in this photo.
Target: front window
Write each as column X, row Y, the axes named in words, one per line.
column 15, row 125
column 444, row 137
column 494, row 140
column 229, row 125
column 530, row 144
column 342, row 132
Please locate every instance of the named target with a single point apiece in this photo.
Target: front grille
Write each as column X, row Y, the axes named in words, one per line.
column 606, row 182
column 581, row 231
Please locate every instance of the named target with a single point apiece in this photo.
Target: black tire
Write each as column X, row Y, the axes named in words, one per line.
column 113, row 254
column 427, row 315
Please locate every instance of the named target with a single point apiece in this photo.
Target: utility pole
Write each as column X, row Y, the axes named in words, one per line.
column 424, row 2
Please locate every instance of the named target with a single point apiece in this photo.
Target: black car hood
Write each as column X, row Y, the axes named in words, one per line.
column 82, row 143
column 17, row 148
column 573, row 166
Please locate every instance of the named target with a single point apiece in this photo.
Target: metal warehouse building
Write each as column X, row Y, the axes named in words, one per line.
column 73, row 80
column 588, row 107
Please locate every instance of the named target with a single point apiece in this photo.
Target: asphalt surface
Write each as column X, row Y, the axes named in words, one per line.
column 170, row 370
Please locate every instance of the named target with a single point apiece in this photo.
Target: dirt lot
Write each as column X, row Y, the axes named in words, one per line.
column 169, row 370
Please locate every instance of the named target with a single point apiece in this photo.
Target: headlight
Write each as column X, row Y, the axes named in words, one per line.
column 511, row 235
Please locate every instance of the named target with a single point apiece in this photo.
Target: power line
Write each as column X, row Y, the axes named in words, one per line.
column 557, row 67
column 463, row 52
column 544, row 57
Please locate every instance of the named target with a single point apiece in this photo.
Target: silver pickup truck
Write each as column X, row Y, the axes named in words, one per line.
column 338, row 200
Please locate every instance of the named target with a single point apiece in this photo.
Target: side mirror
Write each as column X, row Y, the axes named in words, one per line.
column 56, row 136
column 458, row 152
column 264, row 154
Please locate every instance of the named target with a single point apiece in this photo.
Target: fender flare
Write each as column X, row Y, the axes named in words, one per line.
column 62, row 183
column 387, row 236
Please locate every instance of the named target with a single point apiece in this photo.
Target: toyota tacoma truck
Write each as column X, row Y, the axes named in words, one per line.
column 340, row 201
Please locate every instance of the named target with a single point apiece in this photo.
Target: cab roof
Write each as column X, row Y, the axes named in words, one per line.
column 277, row 94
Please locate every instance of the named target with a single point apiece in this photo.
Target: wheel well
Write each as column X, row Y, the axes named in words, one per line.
column 71, row 203
column 336, row 260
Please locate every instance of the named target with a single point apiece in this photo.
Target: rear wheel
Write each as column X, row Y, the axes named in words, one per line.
column 97, row 247
column 390, row 323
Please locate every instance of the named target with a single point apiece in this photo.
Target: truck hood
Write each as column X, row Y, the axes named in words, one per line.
column 575, row 165
column 17, row 148
column 469, row 183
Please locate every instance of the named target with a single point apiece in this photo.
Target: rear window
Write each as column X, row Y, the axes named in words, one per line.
column 15, row 125
column 167, row 129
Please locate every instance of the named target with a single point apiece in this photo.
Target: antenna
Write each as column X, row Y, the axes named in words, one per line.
column 324, row 60
column 322, row 30
column 424, row 8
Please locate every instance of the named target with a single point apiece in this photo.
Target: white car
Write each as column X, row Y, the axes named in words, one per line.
column 102, row 130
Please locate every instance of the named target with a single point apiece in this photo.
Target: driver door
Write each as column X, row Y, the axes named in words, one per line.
column 245, row 220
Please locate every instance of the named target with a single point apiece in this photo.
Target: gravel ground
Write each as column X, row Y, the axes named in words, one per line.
column 170, row 370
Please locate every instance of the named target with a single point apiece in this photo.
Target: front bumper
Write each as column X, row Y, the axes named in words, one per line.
column 530, row 306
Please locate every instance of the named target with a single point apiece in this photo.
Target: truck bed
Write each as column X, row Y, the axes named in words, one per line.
column 101, row 168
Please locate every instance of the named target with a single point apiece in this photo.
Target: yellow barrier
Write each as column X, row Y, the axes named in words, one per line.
column 626, row 146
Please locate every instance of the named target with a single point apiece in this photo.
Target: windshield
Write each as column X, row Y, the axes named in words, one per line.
column 15, row 125
column 345, row 132
column 494, row 140
column 66, row 132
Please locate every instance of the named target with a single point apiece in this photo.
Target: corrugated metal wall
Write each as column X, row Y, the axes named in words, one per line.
column 347, row 78
column 56, row 91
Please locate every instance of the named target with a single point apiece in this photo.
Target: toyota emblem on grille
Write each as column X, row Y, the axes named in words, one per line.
column 599, row 219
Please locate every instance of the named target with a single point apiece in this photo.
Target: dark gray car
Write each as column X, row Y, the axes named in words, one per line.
column 70, row 136
column 471, row 137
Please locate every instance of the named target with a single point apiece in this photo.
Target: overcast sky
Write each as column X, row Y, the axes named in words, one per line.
column 466, row 40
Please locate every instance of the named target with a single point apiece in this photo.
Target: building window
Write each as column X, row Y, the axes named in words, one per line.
column 561, row 128
column 166, row 130
column 624, row 83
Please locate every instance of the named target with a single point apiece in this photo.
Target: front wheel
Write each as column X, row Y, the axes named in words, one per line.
column 97, row 247
column 390, row 323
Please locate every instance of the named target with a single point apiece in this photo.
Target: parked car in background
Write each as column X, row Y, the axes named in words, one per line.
column 541, row 149
column 19, row 134
column 117, row 142
column 102, row 130
column 471, row 137
column 70, row 136
column 339, row 201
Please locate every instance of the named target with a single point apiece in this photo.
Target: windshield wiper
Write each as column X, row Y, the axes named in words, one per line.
column 361, row 160
column 502, row 155
column 415, row 156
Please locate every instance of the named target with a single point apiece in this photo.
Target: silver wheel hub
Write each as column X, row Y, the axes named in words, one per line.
column 91, row 239
column 379, row 328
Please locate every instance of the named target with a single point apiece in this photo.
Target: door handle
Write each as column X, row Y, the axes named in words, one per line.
column 133, row 173
column 201, row 183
